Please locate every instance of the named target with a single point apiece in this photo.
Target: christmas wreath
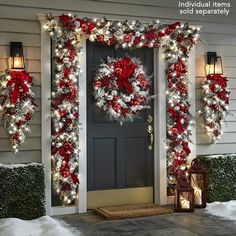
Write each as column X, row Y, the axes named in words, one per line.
column 121, row 88
column 216, row 104
column 17, row 104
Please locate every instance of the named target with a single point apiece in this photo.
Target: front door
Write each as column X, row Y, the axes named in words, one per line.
column 120, row 164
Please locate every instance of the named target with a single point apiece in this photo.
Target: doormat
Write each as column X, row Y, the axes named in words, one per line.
column 130, row 211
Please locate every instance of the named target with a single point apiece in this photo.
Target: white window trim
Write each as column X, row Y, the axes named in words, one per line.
column 160, row 179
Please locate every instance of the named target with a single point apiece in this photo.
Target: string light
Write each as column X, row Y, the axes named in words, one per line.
column 176, row 38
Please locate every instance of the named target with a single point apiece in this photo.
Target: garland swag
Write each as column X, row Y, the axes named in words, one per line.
column 177, row 39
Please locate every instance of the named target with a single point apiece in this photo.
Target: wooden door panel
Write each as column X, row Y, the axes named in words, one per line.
column 101, row 52
column 135, row 166
column 104, row 152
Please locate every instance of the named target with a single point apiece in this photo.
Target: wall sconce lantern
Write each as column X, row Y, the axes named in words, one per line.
column 16, row 56
column 184, row 195
column 197, row 175
column 214, row 63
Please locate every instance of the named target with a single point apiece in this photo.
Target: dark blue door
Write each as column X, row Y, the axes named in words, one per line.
column 118, row 156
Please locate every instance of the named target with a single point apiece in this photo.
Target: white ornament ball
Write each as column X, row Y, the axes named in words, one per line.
column 114, row 93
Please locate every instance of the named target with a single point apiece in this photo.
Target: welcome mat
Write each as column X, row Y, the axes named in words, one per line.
column 130, row 211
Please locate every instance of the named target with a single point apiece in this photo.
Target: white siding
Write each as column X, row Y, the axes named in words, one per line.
column 18, row 22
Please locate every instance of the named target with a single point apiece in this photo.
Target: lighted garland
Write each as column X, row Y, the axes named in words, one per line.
column 177, row 39
column 179, row 120
column 216, row 104
column 65, row 120
column 17, row 104
column 121, row 88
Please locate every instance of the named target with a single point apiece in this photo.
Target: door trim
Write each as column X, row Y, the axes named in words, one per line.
column 122, row 196
column 160, row 182
column 45, row 111
column 82, row 204
column 160, row 173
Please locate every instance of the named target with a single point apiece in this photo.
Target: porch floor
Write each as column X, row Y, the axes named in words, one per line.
column 177, row 224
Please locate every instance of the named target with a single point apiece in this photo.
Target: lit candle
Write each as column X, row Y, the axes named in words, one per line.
column 197, row 195
column 185, row 204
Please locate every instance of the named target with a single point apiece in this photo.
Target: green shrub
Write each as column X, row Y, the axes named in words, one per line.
column 22, row 191
column 221, row 177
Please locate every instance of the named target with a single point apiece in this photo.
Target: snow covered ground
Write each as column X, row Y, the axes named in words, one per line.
column 43, row 226
column 47, row 226
column 223, row 209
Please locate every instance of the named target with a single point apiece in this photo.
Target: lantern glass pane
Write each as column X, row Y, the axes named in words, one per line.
column 16, row 55
column 210, row 69
column 176, row 197
column 185, row 200
column 197, row 183
column 18, row 63
column 218, row 66
column 197, row 180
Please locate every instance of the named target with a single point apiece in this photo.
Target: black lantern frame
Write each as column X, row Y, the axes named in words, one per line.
column 17, row 61
column 184, row 195
column 213, row 62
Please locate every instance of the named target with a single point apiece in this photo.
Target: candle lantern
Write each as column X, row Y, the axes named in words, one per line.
column 184, row 195
column 197, row 176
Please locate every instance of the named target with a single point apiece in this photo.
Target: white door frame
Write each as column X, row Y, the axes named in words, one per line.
column 160, row 173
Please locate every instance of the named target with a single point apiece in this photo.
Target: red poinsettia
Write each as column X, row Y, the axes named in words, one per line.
column 128, row 37
column 67, row 21
column 86, row 26
column 217, row 79
column 150, row 34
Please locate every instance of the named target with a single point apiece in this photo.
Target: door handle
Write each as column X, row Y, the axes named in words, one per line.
column 150, row 136
column 149, row 119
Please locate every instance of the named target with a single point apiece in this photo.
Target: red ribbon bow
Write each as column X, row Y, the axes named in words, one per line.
column 124, row 69
column 218, row 79
column 18, row 82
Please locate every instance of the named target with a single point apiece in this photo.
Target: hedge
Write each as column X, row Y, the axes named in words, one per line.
column 221, row 177
column 22, row 191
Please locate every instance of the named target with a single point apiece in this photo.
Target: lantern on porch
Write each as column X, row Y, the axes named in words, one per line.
column 197, row 176
column 184, row 195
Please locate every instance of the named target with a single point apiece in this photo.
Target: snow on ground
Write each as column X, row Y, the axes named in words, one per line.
column 223, row 209
column 43, row 226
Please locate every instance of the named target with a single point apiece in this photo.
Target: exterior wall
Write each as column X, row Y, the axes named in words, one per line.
column 19, row 22
column 27, row 32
